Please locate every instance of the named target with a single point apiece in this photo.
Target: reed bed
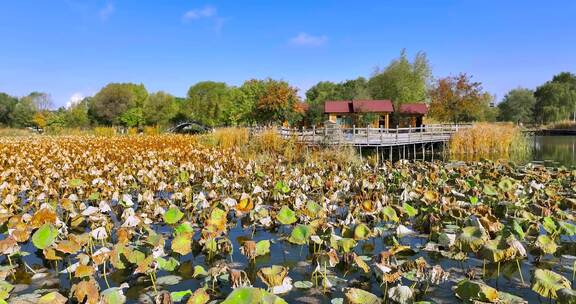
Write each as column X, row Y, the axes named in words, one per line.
column 486, row 140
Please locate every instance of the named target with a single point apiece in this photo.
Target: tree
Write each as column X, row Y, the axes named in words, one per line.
column 209, row 103
column 115, row 99
column 133, row 117
column 277, row 103
column 517, row 106
column 458, row 99
column 160, row 108
column 7, row 104
column 242, row 108
column 402, row 81
column 24, row 111
column 77, row 115
column 556, row 99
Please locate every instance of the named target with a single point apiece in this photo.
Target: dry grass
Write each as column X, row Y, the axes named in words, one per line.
column 104, row 131
column 15, row 132
column 230, row 137
column 486, row 140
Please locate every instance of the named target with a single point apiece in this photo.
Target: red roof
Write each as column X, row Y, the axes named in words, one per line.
column 340, row 106
column 358, row 106
column 414, row 108
column 365, row 106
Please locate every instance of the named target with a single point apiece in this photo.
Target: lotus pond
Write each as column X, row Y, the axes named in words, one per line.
column 169, row 219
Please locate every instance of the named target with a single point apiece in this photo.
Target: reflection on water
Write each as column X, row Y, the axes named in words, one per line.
column 557, row 150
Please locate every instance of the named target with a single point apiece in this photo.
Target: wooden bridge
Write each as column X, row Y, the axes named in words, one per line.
column 373, row 137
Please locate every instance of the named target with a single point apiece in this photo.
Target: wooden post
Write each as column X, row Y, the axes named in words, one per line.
column 381, row 134
column 396, row 133
column 423, row 152
column 390, row 152
column 414, row 156
column 313, row 134
column 367, row 134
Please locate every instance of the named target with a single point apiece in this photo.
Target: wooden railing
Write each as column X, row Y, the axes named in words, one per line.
column 335, row 135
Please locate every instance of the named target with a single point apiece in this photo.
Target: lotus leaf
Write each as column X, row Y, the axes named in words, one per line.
column 177, row 296
column 286, row 216
column 54, row 297
column 361, row 232
column 182, row 243
column 471, row 239
column 44, row 236
column 546, row 244
column 273, row 276
column 300, row 235
column 359, row 296
column 250, row 295
column 262, row 247
column 546, row 283
column 470, row 291
column 411, row 211
column 173, row 215
column 200, row 296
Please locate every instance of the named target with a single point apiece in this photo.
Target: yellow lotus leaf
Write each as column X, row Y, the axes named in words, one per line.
column 83, row 271
column 86, row 290
column 245, row 204
column 50, row 254
column 68, row 246
column 124, row 235
column 43, row 216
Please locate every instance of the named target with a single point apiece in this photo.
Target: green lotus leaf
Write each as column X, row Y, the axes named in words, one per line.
column 199, row 271
column 390, row 214
column 518, row 230
column 262, row 247
column 177, row 296
column 549, row 224
column 497, row 250
column 251, row 295
column 281, row 187
column 506, row 185
column 44, row 236
column 346, row 244
column 471, row 239
column 489, row 190
column 184, row 227
column 359, row 296
column 361, row 232
column 113, row 295
column 286, row 216
column 567, row 228
column 182, row 243
column 546, row 283
column 546, row 244
column 76, row 182
column 411, row 211
column 470, row 291
column 167, row 264
column 173, row 215
column 300, row 235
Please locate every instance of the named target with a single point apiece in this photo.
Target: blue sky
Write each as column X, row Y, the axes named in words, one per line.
column 72, row 47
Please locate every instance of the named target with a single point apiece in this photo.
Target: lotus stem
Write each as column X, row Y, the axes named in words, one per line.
column 29, row 268
column 484, row 269
column 520, row 271
column 153, row 283
column 105, row 275
column 498, row 274
column 11, row 266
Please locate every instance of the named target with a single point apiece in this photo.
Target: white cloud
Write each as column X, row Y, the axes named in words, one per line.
column 74, row 99
column 195, row 14
column 107, row 11
column 305, row 39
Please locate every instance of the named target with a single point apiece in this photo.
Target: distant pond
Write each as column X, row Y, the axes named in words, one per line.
column 554, row 150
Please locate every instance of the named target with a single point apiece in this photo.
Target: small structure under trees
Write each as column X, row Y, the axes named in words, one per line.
column 374, row 113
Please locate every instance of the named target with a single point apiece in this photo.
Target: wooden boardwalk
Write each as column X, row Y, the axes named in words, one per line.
column 373, row 137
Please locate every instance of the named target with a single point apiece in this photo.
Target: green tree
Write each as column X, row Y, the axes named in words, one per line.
column 209, row 103
column 458, row 99
column 24, row 111
column 77, row 115
column 517, row 106
column 7, row 104
column 133, row 117
column 242, row 107
column 160, row 108
column 402, row 81
column 556, row 99
column 114, row 100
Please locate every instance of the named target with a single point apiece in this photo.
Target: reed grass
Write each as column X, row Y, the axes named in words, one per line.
column 15, row 132
column 488, row 140
column 105, row 131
